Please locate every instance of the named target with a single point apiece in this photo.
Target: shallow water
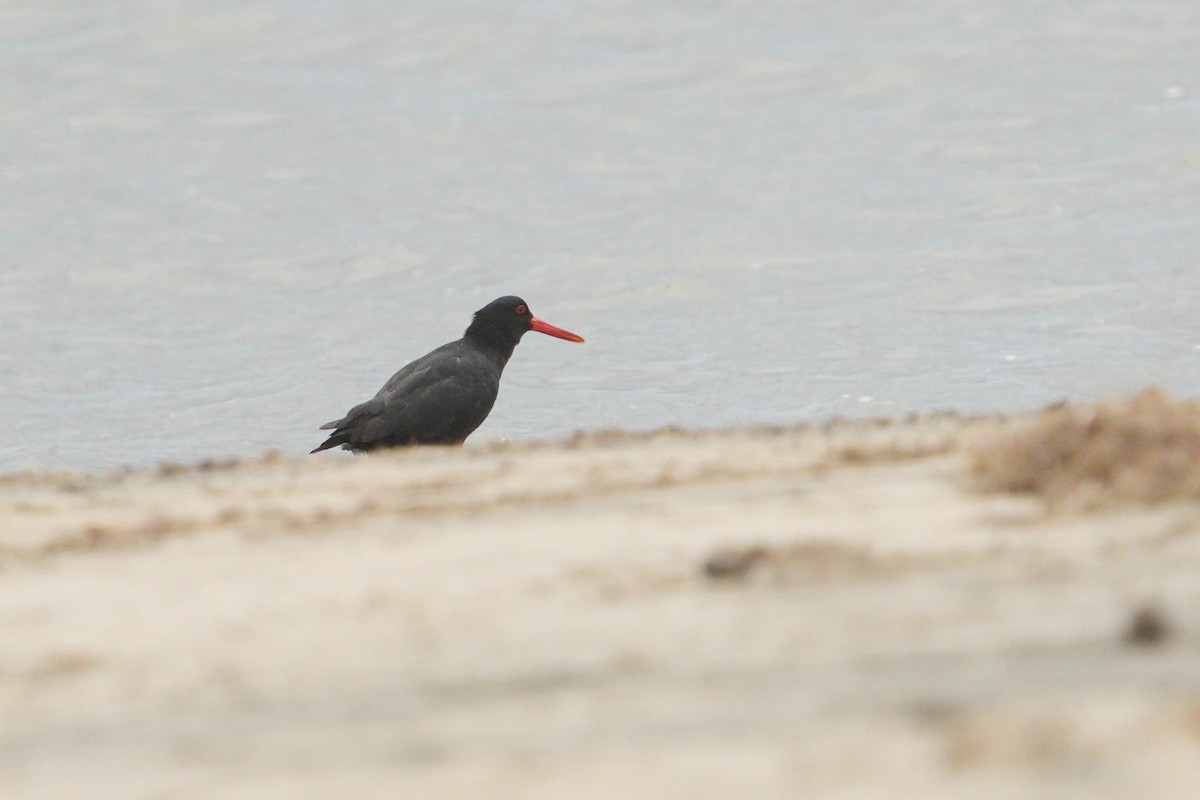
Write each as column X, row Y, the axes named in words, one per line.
column 221, row 225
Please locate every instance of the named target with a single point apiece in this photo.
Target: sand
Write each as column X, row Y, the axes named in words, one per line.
column 844, row 610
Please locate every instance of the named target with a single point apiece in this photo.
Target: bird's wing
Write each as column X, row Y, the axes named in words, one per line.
column 421, row 370
column 441, row 408
column 359, row 412
column 347, row 428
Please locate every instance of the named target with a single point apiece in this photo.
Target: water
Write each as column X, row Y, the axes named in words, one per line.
column 223, row 224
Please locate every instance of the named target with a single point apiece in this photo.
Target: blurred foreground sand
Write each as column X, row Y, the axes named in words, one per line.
column 835, row 611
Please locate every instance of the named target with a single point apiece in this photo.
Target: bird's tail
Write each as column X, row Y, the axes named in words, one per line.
column 337, row 437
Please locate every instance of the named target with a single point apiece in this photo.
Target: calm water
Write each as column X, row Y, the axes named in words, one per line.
column 222, row 224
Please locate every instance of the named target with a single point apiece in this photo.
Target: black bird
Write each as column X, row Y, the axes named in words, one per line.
column 442, row 397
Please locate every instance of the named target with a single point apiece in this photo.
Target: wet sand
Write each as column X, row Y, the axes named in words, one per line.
column 845, row 610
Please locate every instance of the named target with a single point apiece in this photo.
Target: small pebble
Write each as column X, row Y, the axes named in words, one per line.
column 734, row 562
column 1147, row 627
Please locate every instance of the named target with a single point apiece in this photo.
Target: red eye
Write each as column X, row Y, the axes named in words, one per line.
column 521, row 308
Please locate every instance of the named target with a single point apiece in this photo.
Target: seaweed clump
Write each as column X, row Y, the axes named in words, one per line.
column 1145, row 450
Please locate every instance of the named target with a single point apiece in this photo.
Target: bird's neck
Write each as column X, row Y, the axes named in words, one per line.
column 495, row 339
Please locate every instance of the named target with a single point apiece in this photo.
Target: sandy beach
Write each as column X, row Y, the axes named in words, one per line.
column 854, row 609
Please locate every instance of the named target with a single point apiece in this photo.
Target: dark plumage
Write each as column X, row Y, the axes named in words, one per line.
column 442, row 397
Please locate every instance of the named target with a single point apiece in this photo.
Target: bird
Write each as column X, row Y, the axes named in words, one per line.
column 443, row 396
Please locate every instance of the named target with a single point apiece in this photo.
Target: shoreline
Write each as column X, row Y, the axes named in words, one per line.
column 850, row 609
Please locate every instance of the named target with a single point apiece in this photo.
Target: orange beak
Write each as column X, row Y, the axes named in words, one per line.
column 548, row 329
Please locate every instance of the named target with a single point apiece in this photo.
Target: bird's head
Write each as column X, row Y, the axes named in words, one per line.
column 506, row 319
